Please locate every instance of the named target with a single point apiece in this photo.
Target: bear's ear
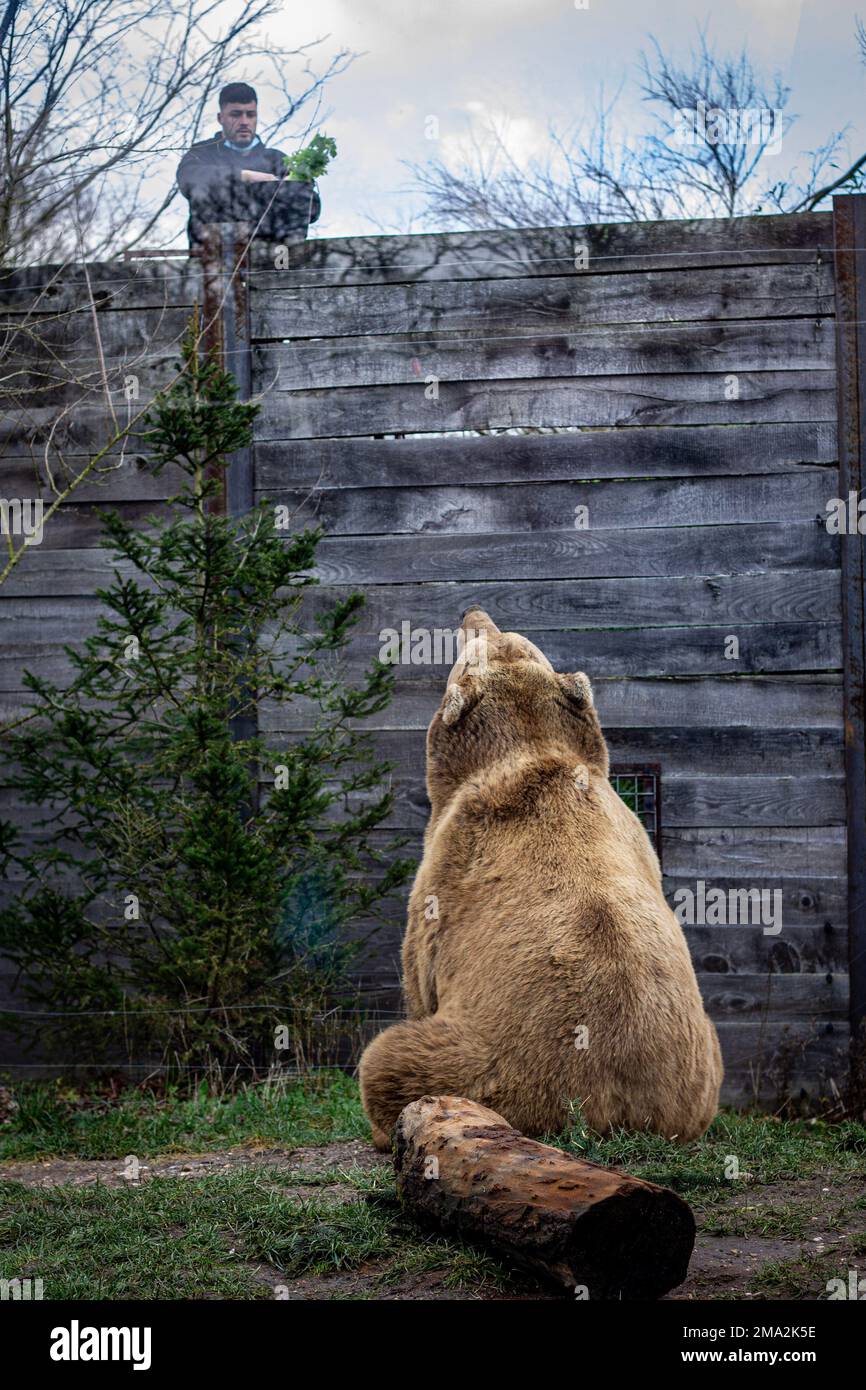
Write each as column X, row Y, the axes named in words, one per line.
column 460, row 698
column 577, row 688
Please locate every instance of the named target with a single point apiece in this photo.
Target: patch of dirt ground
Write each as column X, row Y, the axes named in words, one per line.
column 776, row 1241
column 117, row 1172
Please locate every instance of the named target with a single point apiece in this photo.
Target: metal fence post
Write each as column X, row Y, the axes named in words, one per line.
column 849, row 227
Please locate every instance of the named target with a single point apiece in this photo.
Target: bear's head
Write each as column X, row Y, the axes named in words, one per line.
column 504, row 701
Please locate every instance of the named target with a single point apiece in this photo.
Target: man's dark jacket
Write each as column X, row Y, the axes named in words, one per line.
column 209, row 177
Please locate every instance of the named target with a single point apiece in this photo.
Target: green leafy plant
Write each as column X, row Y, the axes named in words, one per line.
column 190, row 880
column 312, row 161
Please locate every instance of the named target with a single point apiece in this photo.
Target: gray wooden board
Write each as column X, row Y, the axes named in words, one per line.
column 733, row 950
column 775, row 1061
column 611, row 248
column 647, row 651
column 638, row 451
column 526, row 606
column 128, row 479
column 796, row 397
column 705, row 852
column 74, row 573
column 696, row 550
column 691, row 398
column 568, row 455
column 173, row 282
column 711, row 701
column 60, row 342
column 650, row 652
column 724, row 951
column 715, row 751
column 643, row 349
column 563, row 506
column 80, row 524
column 553, row 304
column 539, row 606
column 687, row 801
column 758, row 854
column 78, row 387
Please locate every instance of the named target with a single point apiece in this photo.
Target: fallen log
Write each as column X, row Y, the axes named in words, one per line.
column 595, row 1233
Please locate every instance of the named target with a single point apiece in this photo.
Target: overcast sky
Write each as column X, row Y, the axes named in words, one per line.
column 530, row 64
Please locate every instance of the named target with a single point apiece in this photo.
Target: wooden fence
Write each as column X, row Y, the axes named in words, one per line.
column 445, row 406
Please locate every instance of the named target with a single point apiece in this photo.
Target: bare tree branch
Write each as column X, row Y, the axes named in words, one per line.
column 718, row 125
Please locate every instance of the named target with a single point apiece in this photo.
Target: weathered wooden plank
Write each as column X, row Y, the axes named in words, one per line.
column 761, row 855
column 643, row 451
column 128, row 479
column 152, row 283
column 73, row 573
column 725, row 951
column 753, row 851
column 710, row 701
column 802, row 398
column 75, row 524
column 554, row 304
column 526, row 606
column 61, row 342
column 611, row 248
column 704, row 550
column 567, row 506
column 646, row 651
column 30, row 429
column 754, row 801
column 773, row 1062
column 687, row 801
column 40, row 391
column 757, row 346
column 817, row 752
column 673, row 399
column 553, row 605
column 732, row 951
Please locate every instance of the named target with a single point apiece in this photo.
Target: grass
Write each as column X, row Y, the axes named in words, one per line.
column 789, row 1221
column 766, row 1149
column 54, row 1120
column 802, row 1276
column 96, row 1243
column 238, row 1234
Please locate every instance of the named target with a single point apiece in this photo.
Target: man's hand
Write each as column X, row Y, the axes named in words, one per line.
column 254, row 176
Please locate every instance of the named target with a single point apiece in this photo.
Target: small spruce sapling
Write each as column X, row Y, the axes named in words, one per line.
column 191, row 877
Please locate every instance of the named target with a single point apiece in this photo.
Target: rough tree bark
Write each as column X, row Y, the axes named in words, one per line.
column 595, row 1233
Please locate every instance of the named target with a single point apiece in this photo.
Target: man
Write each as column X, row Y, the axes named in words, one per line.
column 230, row 177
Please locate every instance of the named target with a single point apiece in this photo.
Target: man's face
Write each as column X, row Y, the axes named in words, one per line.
column 238, row 121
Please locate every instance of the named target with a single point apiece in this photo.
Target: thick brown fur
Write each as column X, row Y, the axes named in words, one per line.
column 537, row 913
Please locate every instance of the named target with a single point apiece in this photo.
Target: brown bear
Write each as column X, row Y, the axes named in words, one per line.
column 542, row 966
